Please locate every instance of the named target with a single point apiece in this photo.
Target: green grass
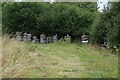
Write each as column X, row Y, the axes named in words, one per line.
column 57, row 60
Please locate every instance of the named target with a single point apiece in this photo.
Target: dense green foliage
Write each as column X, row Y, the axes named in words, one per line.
column 0, row 13
column 60, row 18
column 113, row 21
column 74, row 19
column 106, row 26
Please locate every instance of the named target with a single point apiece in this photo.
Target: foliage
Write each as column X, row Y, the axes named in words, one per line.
column 74, row 19
column 106, row 26
column 0, row 13
column 113, row 20
column 98, row 29
column 37, row 18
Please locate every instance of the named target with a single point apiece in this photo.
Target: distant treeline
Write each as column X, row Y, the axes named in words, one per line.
column 74, row 19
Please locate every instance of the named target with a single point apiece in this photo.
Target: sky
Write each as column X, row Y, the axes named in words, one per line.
column 101, row 4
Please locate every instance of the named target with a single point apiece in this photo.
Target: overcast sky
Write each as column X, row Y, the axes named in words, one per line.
column 101, row 4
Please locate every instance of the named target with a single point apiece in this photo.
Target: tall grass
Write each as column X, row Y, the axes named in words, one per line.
column 15, row 58
column 56, row 60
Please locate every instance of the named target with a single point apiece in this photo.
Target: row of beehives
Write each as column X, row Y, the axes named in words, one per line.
column 28, row 37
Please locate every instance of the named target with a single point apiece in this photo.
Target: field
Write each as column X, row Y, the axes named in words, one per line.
column 56, row 60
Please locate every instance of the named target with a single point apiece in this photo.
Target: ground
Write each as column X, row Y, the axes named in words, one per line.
column 57, row 60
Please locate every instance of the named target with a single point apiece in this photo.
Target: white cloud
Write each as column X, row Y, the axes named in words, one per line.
column 18, row 0
column 101, row 4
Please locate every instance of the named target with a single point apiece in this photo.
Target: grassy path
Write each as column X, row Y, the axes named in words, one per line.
column 58, row 60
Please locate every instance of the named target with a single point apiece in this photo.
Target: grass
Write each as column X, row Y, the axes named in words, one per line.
column 56, row 60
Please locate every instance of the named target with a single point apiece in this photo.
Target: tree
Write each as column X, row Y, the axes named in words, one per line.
column 58, row 18
column 106, row 26
column 113, row 35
